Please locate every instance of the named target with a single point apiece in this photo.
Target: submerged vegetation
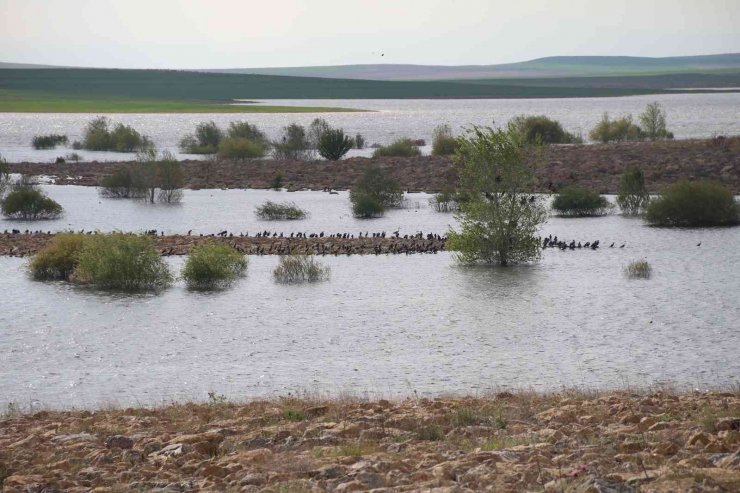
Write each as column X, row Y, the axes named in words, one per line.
column 26, row 201
column 404, row 147
column 122, row 138
column 498, row 224
column 213, row 265
column 152, row 178
column 653, row 120
column 48, row 141
column 638, row 269
column 274, row 211
column 443, row 142
column 374, row 192
column 694, row 204
column 294, row 269
column 633, row 197
column 575, row 201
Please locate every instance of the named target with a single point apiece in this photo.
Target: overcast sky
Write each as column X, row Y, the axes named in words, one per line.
column 273, row 33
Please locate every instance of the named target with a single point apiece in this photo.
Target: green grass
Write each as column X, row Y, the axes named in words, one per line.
column 42, row 102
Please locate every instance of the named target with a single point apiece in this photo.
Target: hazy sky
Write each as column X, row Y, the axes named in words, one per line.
column 270, row 33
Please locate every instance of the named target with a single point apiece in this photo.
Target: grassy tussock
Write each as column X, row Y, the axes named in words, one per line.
column 280, row 211
column 213, row 266
column 298, row 269
column 638, row 269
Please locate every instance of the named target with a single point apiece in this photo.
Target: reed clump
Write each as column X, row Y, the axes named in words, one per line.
column 293, row 269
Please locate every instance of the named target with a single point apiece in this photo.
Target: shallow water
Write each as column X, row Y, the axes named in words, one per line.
column 689, row 116
column 389, row 326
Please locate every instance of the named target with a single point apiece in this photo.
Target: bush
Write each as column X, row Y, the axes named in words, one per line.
column 633, row 197
column 123, row 183
column 27, row 202
column 333, row 144
column 73, row 156
column 579, row 202
column 374, row 192
column 240, row 148
column 293, row 145
column 638, row 269
column 154, row 178
column 316, row 130
column 448, row 201
column 48, row 141
column 300, row 268
column 206, row 139
column 653, row 122
column 123, row 138
column 58, row 259
column 272, row 211
column 213, row 265
column 359, row 141
column 539, row 129
column 399, row 148
column 243, row 130
column 443, row 142
column 122, row 262
column 616, row 130
column 276, row 182
column 694, row 204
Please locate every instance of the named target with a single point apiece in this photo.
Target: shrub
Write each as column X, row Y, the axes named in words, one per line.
column 448, row 201
column 653, row 122
column 73, row 156
column 243, row 130
column 443, row 142
column 25, row 201
column 399, row 148
column 579, row 202
column 693, row 204
column 123, row 138
column 206, row 139
column 299, row 268
column 293, row 145
column 272, row 211
column 633, row 197
column 58, row 259
column 334, row 144
column 359, row 141
column 316, row 130
column 539, row 129
column 122, row 262
column 48, row 141
column 374, row 192
column 240, row 149
column 157, row 178
column 213, row 265
column 123, row 183
column 616, row 130
column 276, row 182
column 638, row 269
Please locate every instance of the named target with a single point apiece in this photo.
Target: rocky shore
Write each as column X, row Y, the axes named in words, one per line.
column 597, row 166
column 566, row 442
column 25, row 244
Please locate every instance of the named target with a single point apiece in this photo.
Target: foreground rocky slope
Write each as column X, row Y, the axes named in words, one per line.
column 597, row 166
column 610, row 442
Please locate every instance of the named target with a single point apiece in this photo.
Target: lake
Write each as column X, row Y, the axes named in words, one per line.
column 382, row 325
column 689, row 116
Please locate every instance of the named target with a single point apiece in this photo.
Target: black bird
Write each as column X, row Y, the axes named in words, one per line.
column 612, row 245
column 622, row 246
column 698, row 244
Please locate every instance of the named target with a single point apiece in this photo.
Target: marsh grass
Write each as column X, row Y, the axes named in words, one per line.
column 294, row 269
column 275, row 211
column 121, row 262
column 399, row 148
column 638, row 269
column 213, row 265
column 48, row 141
column 294, row 415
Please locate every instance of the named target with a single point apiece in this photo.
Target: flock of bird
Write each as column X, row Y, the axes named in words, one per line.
column 551, row 242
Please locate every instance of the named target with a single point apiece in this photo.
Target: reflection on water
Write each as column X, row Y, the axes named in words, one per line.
column 388, row 325
column 689, row 116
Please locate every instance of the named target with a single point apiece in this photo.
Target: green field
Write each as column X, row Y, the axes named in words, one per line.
column 41, row 102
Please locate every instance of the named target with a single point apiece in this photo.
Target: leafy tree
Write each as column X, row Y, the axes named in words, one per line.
column 539, row 129
column 121, row 184
column 374, row 192
column 653, row 122
column 293, row 145
column 499, row 221
column 633, row 197
column 169, row 179
column 240, row 148
column 206, row 139
column 334, row 144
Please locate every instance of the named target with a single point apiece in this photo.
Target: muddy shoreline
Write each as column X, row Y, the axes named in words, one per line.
column 597, row 166
column 26, row 244
column 624, row 441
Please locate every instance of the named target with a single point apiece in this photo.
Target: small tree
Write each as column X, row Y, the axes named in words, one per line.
column 374, row 192
column 334, row 144
column 500, row 219
column 293, row 145
column 633, row 197
column 206, row 139
column 316, row 130
column 653, row 122
column 608, row 130
column 694, row 204
column 169, row 179
column 244, row 130
column 121, row 184
column 539, row 129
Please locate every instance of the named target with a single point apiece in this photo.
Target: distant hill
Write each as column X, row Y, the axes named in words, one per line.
column 558, row 66
column 26, row 65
